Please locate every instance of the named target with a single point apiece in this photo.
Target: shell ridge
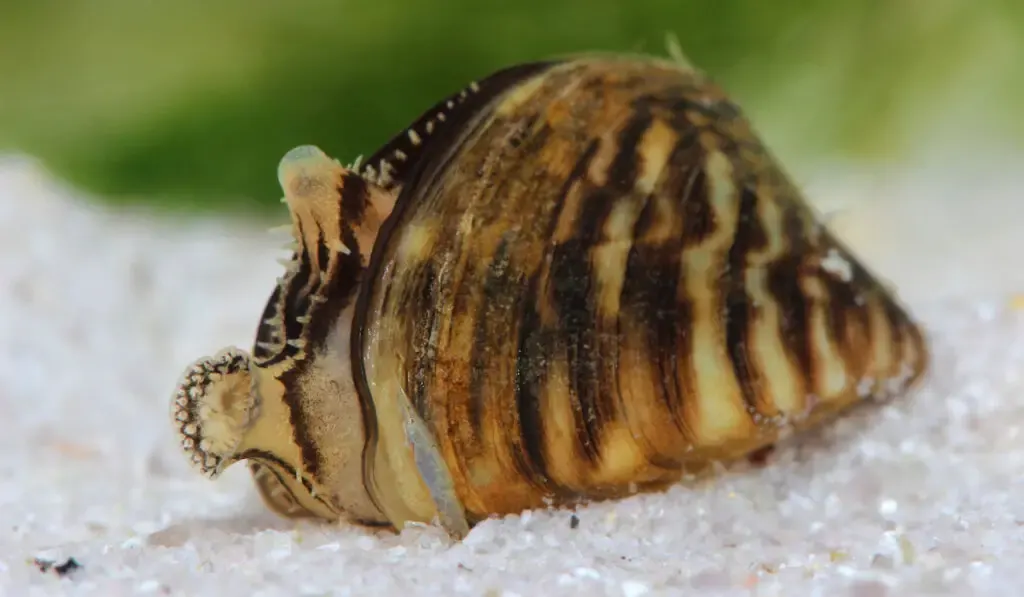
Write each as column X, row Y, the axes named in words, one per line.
column 413, row 154
column 416, row 171
column 597, row 402
column 651, row 299
column 738, row 312
column 656, row 164
column 533, row 350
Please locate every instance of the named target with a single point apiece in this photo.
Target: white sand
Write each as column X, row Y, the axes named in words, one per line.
column 100, row 313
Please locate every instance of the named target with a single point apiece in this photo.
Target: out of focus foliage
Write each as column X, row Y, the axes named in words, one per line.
column 190, row 102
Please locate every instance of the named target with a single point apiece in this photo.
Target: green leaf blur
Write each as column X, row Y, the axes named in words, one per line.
column 191, row 104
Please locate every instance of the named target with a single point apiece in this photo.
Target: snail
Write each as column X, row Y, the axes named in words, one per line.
column 574, row 280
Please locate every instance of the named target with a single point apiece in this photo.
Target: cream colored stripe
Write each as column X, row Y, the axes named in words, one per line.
column 881, row 365
column 767, row 347
column 721, row 412
column 609, row 258
column 561, row 456
column 830, row 372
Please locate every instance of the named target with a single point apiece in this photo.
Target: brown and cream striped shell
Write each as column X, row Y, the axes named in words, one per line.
column 574, row 280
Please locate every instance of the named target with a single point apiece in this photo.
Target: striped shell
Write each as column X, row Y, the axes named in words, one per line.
column 574, row 280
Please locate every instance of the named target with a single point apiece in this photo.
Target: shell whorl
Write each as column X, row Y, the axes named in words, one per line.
column 213, row 406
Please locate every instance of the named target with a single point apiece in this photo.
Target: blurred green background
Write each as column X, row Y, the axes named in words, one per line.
column 191, row 104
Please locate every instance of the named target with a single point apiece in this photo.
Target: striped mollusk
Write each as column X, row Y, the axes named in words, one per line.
column 573, row 280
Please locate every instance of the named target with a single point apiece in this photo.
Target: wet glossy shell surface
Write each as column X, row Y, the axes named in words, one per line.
column 604, row 279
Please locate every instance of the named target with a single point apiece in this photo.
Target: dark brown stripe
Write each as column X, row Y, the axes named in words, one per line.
column 739, row 313
column 267, row 333
column 427, row 293
column 623, row 170
column 571, row 284
column 651, row 300
column 323, row 258
column 699, row 221
column 849, row 324
column 306, row 282
column 622, row 175
column 533, row 347
column 355, row 197
column 784, row 287
column 297, row 417
column 494, row 315
column 534, row 352
column 572, row 280
column 493, row 326
column 649, row 306
column 343, row 279
column 688, row 158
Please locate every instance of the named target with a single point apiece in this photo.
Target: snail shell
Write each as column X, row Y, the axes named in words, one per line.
column 574, row 280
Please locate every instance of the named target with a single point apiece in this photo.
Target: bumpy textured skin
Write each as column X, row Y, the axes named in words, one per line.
column 583, row 278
